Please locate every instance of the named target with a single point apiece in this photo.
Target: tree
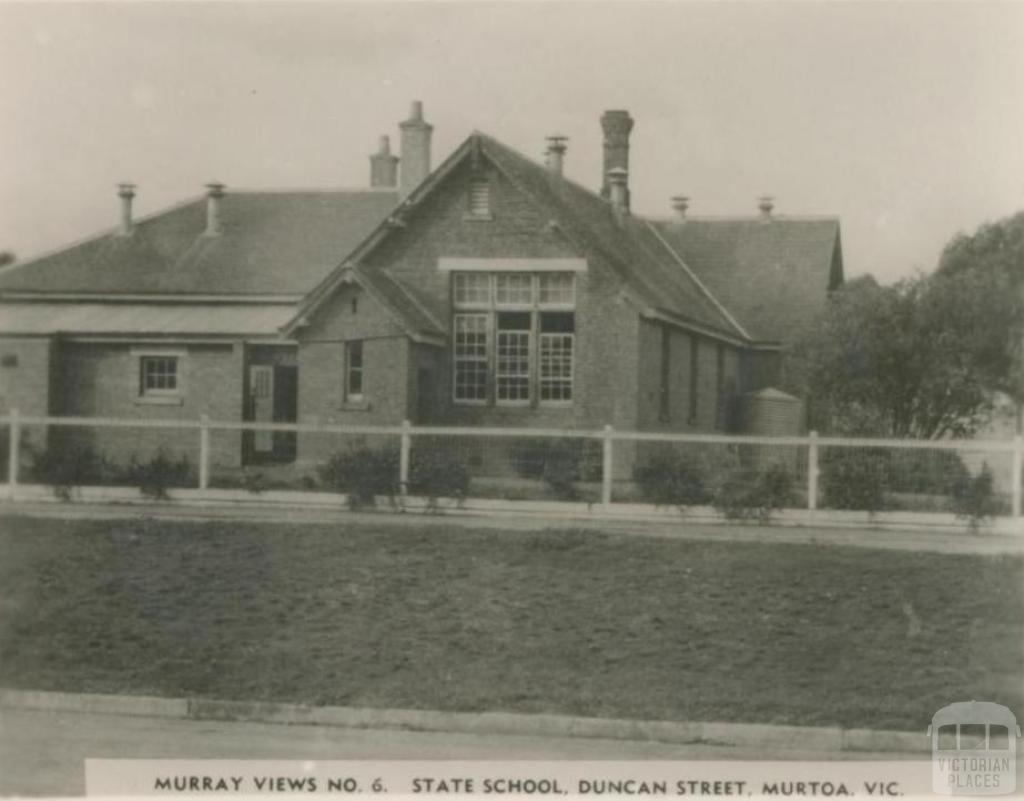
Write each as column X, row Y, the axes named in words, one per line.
column 994, row 257
column 910, row 360
column 6, row 257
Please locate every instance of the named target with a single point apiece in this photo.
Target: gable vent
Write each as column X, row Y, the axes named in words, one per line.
column 480, row 198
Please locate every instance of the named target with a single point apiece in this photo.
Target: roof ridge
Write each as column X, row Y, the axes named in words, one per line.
column 747, row 218
column 341, row 190
column 563, row 178
column 97, row 237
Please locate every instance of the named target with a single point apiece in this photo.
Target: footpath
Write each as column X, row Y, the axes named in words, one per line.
column 938, row 541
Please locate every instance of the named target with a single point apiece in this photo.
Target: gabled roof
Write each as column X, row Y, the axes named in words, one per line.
column 273, row 243
column 641, row 259
column 417, row 322
column 772, row 274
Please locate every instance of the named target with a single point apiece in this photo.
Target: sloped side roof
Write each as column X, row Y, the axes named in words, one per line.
column 631, row 247
column 397, row 297
column 155, row 319
column 273, row 243
column 773, row 275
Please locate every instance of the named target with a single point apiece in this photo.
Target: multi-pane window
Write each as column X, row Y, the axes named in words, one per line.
column 513, row 289
column 158, row 375
column 517, row 346
column 472, row 289
column 513, row 357
column 556, row 344
column 354, row 370
column 470, row 357
column 557, row 289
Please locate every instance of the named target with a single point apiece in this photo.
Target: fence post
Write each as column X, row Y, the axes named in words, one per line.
column 1016, row 475
column 606, row 467
column 812, row 471
column 13, row 449
column 204, row 451
column 403, row 460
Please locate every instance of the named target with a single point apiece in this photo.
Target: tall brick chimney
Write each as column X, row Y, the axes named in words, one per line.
column 384, row 166
column 616, row 126
column 415, row 149
column 214, row 194
column 126, row 192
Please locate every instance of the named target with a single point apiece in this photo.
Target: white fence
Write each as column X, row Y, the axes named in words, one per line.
column 614, row 454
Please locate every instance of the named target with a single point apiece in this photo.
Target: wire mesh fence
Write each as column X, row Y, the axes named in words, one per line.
column 915, row 479
column 738, row 475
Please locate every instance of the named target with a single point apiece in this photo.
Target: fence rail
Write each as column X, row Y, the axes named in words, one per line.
column 607, row 437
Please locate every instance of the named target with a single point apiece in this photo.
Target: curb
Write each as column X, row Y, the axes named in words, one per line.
column 810, row 738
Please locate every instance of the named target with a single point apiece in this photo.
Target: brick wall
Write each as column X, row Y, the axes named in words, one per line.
column 709, row 416
column 102, row 380
column 604, row 377
column 385, row 397
column 25, row 381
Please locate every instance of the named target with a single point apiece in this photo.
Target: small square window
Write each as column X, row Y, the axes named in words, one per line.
column 158, row 375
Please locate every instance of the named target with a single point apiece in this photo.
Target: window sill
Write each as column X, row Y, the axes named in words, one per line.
column 467, row 217
column 159, row 400
column 355, row 406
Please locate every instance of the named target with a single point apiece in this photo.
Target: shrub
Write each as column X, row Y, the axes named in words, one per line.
column 363, row 473
column 855, row 478
column 748, row 493
column 65, row 466
column 973, row 497
column 560, row 463
column 437, row 473
column 672, row 479
column 159, row 474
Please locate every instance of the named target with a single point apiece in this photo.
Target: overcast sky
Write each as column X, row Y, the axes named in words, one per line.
column 905, row 120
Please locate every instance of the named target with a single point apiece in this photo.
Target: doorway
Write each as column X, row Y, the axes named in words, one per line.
column 271, row 396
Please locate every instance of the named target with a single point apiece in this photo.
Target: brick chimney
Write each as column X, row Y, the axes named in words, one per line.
column 415, row 149
column 618, row 192
column 126, row 192
column 680, row 203
column 384, row 166
column 214, row 194
column 765, row 204
column 616, row 126
column 555, row 156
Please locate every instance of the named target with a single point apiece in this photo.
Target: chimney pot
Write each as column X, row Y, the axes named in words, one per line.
column 126, row 192
column 384, row 166
column 765, row 204
column 618, row 183
column 680, row 203
column 616, row 125
column 214, row 194
column 556, row 153
column 415, row 150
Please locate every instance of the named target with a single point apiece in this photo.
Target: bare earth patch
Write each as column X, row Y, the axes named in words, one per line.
column 570, row 622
